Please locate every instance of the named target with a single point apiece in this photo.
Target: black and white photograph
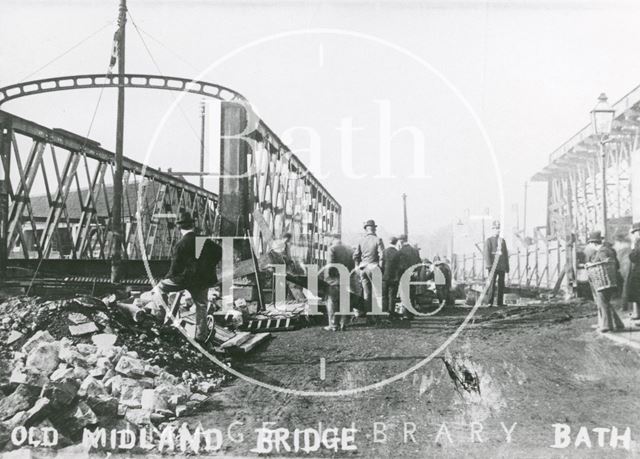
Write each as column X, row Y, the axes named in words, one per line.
column 332, row 228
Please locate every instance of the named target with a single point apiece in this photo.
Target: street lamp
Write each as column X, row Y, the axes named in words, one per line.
column 602, row 120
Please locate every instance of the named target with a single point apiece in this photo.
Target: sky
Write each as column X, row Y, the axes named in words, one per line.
column 447, row 82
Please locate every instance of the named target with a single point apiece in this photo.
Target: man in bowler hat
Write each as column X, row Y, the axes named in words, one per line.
column 495, row 246
column 369, row 257
column 633, row 280
column 183, row 275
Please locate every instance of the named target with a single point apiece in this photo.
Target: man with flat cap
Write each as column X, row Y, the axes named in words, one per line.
column 369, row 257
column 598, row 250
column 495, row 246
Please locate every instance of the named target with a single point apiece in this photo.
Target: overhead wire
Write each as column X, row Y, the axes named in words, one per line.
column 64, row 53
column 155, row 63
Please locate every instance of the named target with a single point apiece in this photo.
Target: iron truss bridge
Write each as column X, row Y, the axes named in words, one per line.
column 56, row 189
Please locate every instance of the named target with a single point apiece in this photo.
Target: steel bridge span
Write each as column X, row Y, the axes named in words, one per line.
column 56, row 190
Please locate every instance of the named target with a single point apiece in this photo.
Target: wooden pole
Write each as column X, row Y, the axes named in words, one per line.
column 116, row 213
column 202, row 134
column 406, row 219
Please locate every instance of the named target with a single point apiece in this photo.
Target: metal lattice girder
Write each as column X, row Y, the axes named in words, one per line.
column 68, row 219
column 141, row 81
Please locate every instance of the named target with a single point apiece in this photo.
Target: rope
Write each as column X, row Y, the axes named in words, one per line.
column 85, row 39
column 155, row 63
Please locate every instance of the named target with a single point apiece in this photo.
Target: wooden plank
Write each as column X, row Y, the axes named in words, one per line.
column 237, row 340
column 254, row 341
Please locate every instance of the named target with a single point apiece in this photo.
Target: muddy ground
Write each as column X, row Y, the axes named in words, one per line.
column 537, row 366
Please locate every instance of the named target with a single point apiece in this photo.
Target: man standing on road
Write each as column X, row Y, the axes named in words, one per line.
column 184, row 275
column 408, row 256
column 442, row 279
column 633, row 280
column 598, row 250
column 390, row 277
column 495, row 246
column 369, row 256
column 339, row 254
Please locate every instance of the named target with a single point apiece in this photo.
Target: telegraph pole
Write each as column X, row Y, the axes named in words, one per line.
column 116, row 214
column 202, row 131
column 406, row 220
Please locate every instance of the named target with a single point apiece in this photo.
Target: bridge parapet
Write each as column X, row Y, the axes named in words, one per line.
column 57, row 195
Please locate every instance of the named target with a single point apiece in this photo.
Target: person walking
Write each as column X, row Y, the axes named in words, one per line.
column 442, row 279
column 186, row 273
column 338, row 254
column 598, row 251
column 495, row 246
column 633, row 280
column 369, row 257
column 390, row 278
column 408, row 256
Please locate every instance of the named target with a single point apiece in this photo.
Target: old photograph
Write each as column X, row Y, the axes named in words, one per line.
column 332, row 228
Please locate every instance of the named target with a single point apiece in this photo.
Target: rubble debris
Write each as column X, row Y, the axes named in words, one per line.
column 110, row 374
column 83, row 329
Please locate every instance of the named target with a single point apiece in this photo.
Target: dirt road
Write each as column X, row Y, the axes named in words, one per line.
column 537, row 366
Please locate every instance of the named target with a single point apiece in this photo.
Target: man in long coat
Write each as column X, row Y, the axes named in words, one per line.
column 390, row 277
column 608, row 319
column 495, row 246
column 633, row 280
column 369, row 256
column 339, row 254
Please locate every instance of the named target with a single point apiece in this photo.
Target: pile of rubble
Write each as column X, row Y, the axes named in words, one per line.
column 77, row 363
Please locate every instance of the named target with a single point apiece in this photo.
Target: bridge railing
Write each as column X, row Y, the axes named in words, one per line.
column 540, row 264
column 56, row 198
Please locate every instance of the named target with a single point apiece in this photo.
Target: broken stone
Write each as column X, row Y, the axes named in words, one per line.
column 80, row 373
column 61, row 373
column 84, row 415
column 71, row 356
column 130, row 366
column 19, row 400
column 122, row 409
column 78, row 318
column 138, row 416
column 131, row 396
column 42, row 336
column 83, row 329
column 199, row 398
column 181, row 410
column 60, row 393
column 103, row 405
column 91, row 387
column 166, row 378
column 14, row 336
column 86, row 349
column 29, row 417
column 18, row 376
column 133, row 354
column 109, row 374
column 43, row 359
column 157, row 418
column 152, row 370
column 206, row 387
column 104, row 340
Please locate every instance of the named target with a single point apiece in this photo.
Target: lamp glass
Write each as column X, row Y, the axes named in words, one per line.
column 602, row 116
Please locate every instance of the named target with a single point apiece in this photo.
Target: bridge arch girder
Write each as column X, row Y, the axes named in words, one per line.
column 131, row 80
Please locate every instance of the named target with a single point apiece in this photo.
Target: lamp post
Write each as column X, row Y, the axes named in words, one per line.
column 602, row 120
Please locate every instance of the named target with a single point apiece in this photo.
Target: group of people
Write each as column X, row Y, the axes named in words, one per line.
column 390, row 266
column 597, row 251
column 370, row 259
